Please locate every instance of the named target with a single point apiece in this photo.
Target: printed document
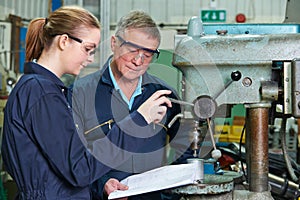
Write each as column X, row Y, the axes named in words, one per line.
column 157, row 179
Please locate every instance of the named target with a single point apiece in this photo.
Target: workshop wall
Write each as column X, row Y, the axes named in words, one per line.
column 179, row 11
column 164, row 11
column 27, row 9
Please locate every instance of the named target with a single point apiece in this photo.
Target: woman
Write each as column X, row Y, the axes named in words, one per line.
column 41, row 148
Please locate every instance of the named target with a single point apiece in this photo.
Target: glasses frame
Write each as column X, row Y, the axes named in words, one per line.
column 81, row 42
column 124, row 42
column 75, row 38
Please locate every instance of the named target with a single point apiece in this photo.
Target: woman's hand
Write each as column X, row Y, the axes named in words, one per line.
column 112, row 185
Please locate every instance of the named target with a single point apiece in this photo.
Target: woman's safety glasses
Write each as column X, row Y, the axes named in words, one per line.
column 87, row 47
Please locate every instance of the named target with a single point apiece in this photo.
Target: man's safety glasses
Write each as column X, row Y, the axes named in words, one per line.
column 135, row 51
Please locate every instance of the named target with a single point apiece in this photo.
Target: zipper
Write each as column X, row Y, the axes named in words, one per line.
column 109, row 122
column 160, row 124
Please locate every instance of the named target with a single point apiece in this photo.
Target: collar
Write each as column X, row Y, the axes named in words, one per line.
column 137, row 91
column 35, row 68
column 106, row 77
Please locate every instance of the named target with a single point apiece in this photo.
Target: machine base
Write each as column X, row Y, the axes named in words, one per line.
column 219, row 187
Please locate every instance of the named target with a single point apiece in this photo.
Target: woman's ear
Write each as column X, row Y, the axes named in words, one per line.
column 63, row 41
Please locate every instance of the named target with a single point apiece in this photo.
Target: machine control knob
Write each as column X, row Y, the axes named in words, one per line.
column 204, row 107
column 236, row 75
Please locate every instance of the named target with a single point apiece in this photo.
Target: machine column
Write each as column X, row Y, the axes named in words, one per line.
column 257, row 146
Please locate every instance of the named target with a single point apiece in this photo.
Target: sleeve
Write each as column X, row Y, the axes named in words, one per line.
column 98, row 186
column 77, row 118
column 52, row 129
column 51, row 124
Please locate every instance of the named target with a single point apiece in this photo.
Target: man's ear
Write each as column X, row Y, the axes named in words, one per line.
column 113, row 42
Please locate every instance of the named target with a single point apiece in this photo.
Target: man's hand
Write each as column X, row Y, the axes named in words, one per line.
column 155, row 107
column 112, row 185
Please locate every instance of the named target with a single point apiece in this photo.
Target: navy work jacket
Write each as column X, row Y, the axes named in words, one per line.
column 101, row 107
column 41, row 148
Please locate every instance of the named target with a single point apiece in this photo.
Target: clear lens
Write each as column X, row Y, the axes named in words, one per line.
column 133, row 52
column 154, row 57
column 88, row 48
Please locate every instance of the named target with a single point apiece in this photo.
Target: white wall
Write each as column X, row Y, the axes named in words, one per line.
column 180, row 11
column 163, row 11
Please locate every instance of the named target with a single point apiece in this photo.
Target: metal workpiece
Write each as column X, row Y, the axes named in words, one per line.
column 257, row 149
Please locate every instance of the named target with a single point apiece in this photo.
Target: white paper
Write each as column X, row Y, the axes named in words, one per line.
column 157, row 179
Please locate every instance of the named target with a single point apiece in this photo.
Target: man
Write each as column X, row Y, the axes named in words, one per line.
column 120, row 87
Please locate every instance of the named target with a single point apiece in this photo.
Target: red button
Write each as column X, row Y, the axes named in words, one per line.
column 240, row 18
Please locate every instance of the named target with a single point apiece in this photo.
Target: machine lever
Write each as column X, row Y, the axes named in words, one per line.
column 235, row 76
column 181, row 102
column 216, row 153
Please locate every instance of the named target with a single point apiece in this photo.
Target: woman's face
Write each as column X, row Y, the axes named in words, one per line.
column 82, row 50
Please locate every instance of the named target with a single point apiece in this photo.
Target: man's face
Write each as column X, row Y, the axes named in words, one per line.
column 133, row 52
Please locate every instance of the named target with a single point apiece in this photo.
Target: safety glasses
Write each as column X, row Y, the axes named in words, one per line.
column 87, row 47
column 134, row 51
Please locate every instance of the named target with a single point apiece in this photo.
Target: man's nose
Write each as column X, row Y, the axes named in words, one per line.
column 139, row 59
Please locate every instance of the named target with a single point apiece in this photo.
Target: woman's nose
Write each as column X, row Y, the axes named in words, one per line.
column 91, row 57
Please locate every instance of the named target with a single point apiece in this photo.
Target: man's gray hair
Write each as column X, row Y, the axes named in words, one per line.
column 138, row 19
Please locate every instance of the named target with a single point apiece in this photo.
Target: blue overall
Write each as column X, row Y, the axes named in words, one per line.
column 41, row 147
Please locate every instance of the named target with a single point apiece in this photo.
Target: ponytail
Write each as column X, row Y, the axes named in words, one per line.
column 34, row 39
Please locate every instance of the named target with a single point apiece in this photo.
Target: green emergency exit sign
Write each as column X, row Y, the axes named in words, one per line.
column 213, row 15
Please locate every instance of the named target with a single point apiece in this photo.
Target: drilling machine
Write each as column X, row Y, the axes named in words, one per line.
column 259, row 71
